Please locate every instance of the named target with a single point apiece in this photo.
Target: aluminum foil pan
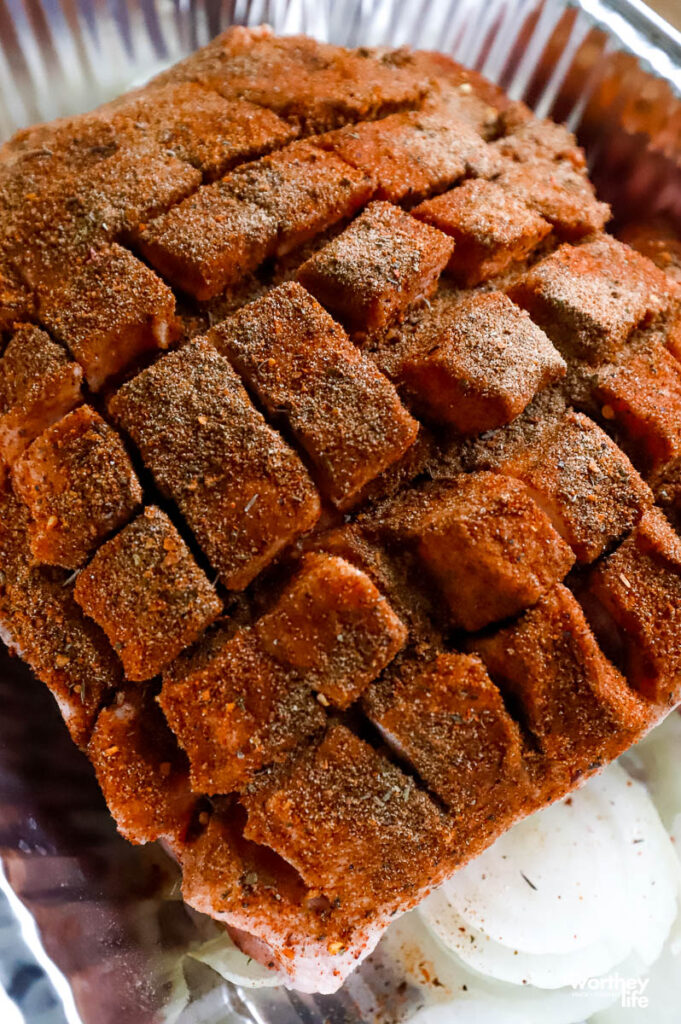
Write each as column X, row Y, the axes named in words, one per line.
column 89, row 925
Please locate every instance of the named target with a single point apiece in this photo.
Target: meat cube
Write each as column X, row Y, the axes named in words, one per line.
column 413, row 155
column 587, row 487
column 15, row 553
column 79, row 485
column 466, row 94
column 269, row 909
column 359, row 545
column 487, row 545
column 301, row 364
column 490, row 227
column 357, row 85
column 38, row 385
column 531, row 139
column 79, row 183
column 224, row 231
column 415, row 461
column 201, row 127
column 17, row 303
column 316, row 85
column 633, row 602
column 69, row 145
column 351, row 824
column 112, row 166
column 589, row 298
column 333, row 626
column 140, row 769
column 641, row 397
column 235, row 710
column 659, row 241
column 209, row 242
column 148, row 594
column 478, row 363
column 464, row 104
column 70, row 654
column 576, row 704
column 41, row 622
column 138, row 182
column 448, row 720
column 381, row 263
column 109, row 312
column 304, row 189
column 560, row 194
column 244, row 493
column 95, row 186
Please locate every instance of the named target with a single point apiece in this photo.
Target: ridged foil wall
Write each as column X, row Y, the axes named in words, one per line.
column 61, row 56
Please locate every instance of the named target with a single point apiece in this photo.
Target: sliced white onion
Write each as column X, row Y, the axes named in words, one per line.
column 566, row 894
column 656, row 760
column 227, row 959
column 179, row 995
column 446, row 990
column 657, row 997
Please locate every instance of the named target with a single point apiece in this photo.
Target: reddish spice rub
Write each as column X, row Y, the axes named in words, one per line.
column 460, row 91
column 477, row 363
column 17, row 302
column 243, row 699
column 272, row 914
column 77, row 186
column 633, row 600
column 244, row 493
column 352, row 824
column 575, row 472
column 574, row 701
column 302, row 366
column 640, row 396
column 140, row 768
column 491, row 229
column 562, row 195
column 315, row 85
column 448, row 719
column 201, row 127
column 109, row 313
column 304, row 189
column 413, row 155
column 364, row 547
column 147, row 593
column 227, row 229
column 139, row 181
column 370, row 616
column 527, row 139
column 590, row 297
column 41, row 622
column 38, row 385
column 333, row 626
column 658, row 241
column 98, row 149
column 79, row 485
column 584, row 483
column 487, row 546
column 383, row 261
column 210, row 242
column 234, row 709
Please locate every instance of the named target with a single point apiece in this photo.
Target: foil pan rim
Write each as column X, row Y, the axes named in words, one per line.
column 629, row 26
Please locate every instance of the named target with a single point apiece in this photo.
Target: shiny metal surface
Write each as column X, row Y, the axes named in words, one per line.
column 61, row 56
column 108, row 914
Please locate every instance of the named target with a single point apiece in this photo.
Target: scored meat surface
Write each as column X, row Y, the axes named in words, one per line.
column 340, row 470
